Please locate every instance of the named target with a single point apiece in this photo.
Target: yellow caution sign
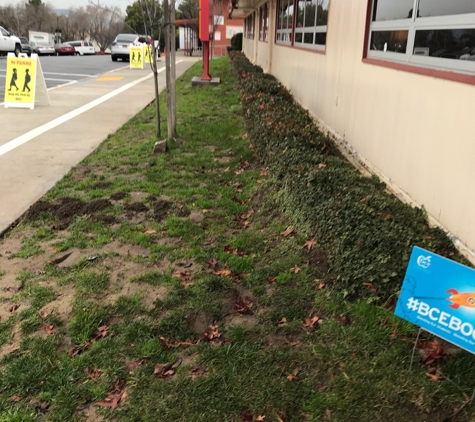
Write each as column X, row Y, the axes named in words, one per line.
column 20, row 85
column 148, row 54
column 136, row 56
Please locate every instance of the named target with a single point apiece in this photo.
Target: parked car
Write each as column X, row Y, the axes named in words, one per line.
column 64, row 49
column 42, row 48
column 121, row 45
column 82, row 47
column 25, row 46
column 9, row 43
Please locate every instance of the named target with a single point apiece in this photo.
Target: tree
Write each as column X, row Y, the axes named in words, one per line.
column 35, row 3
column 105, row 24
column 152, row 21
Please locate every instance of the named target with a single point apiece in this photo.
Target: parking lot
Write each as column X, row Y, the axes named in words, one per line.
column 64, row 70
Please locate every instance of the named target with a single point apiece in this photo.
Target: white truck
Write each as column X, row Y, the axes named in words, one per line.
column 36, row 36
column 9, row 43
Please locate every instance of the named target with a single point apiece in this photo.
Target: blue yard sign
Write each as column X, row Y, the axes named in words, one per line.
column 438, row 295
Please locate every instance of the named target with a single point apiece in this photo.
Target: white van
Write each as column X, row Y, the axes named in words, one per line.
column 82, row 47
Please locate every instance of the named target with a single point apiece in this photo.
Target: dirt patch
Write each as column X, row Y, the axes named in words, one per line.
column 149, row 293
column 118, row 196
column 246, row 321
column 181, row 211
column 138, row 196
column 199, row 322
column 160, row 209
column 196, row 216
column 65, row 209
column 136, row 207
column 101, row 185
column 81, row 173
column 97, row 205
column 104, row 218
column 168, row 241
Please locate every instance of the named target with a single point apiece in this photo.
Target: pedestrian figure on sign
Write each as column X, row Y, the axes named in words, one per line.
column 13, row 80
column 140, row 57
column 133, row 56
column 27, row 80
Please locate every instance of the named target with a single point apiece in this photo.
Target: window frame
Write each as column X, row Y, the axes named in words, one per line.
column 250, row 24
column 412, row 25
column 287, row 36
column 264, row 22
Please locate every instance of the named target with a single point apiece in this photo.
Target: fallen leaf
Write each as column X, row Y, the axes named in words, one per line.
column 310, row 322
column 271, row 279
column 204, row 211
column 371, row 287
column 321, row 286
column 150, row 232
column 13, row 308
column 344, row 319
column 434, row 351
column 288, row 231
column 283, row 322
column 247, row 416
column 322, row 166
column 93, row 373
column 161, row 369
column 117, row 395
column 14, row 347
column 260, row 418
column 212, row 262
column 309, row 243
column 240, row 171
column 15, row 398
column 49, row 329
column 293, row 375
column 223, row 271
column 434, row 374
column 226, row 170
column 243, row 306
column 295, row 269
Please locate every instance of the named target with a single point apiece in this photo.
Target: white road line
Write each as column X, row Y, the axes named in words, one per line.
column 23, row 139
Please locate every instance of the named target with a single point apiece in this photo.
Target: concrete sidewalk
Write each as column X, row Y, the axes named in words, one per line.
column 38, row 147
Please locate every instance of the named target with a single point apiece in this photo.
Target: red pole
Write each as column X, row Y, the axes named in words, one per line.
column 206, row 76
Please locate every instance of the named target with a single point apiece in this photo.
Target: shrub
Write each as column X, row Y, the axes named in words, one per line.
column 236, row 41
column 365, row 231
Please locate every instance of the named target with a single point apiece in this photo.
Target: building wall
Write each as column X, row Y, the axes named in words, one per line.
column 414, row 129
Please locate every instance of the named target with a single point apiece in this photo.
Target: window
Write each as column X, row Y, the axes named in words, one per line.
column 263, row 22
column 249, row 24
column 302, row 23
column 441, row 34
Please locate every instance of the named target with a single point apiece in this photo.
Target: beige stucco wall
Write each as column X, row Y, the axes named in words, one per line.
column 416, row 130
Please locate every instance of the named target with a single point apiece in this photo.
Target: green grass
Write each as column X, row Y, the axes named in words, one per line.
column 353, row 365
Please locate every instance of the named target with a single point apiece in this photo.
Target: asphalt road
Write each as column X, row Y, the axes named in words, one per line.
column 63, row 70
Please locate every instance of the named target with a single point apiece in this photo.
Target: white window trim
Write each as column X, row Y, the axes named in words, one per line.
column 315, row 29
column 462, row 21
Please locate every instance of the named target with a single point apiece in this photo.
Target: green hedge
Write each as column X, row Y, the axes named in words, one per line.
column 365, row 231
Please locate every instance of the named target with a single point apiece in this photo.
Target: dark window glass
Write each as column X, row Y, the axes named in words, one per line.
column 308, row 38
column 445, row 7
column 298, row 37
column 446, row 43
column 386, row 10
column 320, row 38
column 395, row 41
column 322, row 12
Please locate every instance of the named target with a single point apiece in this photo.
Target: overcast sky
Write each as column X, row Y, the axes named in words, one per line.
column 67, row 4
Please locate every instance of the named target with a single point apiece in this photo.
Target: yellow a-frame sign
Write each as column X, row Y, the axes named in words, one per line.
column 25, row 82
